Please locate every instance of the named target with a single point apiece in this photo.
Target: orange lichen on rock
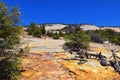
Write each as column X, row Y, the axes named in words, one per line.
column 91, row 70
column 27, row 73
column 61, row 55
column 51, row 66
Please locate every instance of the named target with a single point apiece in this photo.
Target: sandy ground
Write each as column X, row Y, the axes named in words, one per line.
column 39, row 45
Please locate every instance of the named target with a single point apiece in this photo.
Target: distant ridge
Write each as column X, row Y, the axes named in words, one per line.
column 84, row 26
column 110, row 26
column 80, row 24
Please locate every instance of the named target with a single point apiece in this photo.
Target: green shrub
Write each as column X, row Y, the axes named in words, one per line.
column 79, row 40
column 9, row 70
column 9, row 39
column 49, row 33
column 55, row 36
column 108, row 34
column 35, row 30
column 96, row 38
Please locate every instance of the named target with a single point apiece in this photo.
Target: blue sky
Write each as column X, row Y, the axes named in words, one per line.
column 98, row 12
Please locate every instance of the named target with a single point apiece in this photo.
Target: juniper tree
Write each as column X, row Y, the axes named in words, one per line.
column 78, row 40
column 9, row 41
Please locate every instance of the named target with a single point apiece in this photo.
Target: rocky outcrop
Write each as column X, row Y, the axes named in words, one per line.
column 61, row 26
column 52, row 66
column 89, row 27
column 91, row 70
column 44, row 67
column 49, row 27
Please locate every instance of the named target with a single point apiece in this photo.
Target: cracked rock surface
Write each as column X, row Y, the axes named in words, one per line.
column 51, row 66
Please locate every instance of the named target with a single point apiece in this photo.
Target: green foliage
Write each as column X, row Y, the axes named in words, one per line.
column 96, row 37
column 15, row 16
column 35, row 30
column 78, row 39
column 9, row 70
column 55, row 36
column 61, row 34
column 49, row 33
column 11, row 35
column 31, row 29
column 7, row 30
column 9, row 17
column 110, row 35
column 43, row 30
column 9, row 38
column 115, row 39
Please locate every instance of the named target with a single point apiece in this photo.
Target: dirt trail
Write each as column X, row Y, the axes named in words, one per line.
column 44, row 45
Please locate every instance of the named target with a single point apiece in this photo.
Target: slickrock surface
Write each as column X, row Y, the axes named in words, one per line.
column 45, row 67
column 53, row 66
column 91, row 70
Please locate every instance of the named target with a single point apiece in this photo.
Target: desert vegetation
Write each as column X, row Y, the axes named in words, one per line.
column 78, row 40
column 10, row 33
column 36, row 31
column 105, row 35
column 98, row 36
column 66, row 56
